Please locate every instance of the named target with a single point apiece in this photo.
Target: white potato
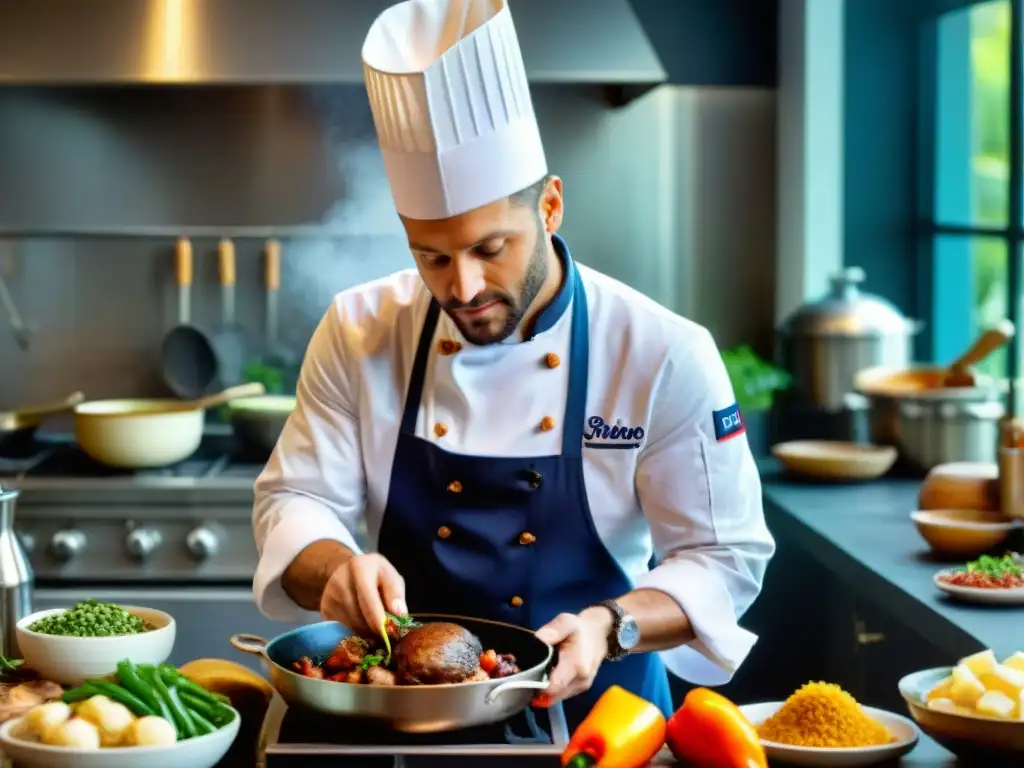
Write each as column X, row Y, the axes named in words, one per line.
column 76, row 732
column 43, row 717
column 111, row 718
column 152, row 732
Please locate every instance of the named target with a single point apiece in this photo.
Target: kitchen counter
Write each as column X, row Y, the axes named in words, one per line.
column 863, row 535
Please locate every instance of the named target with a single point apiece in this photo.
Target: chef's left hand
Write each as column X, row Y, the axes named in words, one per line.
column 582, row 641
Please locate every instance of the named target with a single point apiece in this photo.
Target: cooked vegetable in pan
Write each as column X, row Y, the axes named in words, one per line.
column 410, row 653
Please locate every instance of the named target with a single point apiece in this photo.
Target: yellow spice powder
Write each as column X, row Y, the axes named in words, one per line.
column 823, row 715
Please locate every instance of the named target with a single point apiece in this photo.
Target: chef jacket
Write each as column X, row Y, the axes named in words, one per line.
column 682, row 487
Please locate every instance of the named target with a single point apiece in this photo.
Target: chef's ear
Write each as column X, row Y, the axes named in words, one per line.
column 551, row 204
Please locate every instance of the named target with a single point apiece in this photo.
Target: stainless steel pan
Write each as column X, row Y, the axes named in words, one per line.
column 407, row 708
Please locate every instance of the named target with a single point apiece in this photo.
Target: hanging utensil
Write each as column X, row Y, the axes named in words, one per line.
column 276, row 355
column 960, row 373
column 229, row 341
column 148, row 433
column 7, row 307
column 189, row 364
column 17, row 427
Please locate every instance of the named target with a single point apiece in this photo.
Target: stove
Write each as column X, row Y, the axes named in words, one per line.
column 80, row 521
column 292, row 738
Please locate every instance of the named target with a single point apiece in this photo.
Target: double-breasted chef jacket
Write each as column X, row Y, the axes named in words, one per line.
column 435, row 447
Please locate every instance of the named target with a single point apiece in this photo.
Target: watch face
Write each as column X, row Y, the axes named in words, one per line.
column 628, row 634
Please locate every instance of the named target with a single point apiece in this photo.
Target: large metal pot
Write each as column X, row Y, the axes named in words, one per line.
column 825, row 343
column 886, row 388
column 933, row 432
column 407, row 708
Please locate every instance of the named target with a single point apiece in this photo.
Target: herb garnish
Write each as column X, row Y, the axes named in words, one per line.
column 372, row 660
column 995, row 567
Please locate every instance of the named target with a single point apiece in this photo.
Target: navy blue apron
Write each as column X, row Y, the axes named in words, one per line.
column 508, row 539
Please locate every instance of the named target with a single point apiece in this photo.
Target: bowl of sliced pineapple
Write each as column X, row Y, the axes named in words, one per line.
column 974, row 709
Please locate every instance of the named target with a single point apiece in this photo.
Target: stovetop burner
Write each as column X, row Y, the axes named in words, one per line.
column 60, row 457
column 294, row 738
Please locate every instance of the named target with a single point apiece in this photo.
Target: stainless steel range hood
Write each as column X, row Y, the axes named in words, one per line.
column 262, row 42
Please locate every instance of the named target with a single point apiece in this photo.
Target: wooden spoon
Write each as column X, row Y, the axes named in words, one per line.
column 959, row 373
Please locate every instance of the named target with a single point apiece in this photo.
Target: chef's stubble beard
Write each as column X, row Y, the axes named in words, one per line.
column 533, row 281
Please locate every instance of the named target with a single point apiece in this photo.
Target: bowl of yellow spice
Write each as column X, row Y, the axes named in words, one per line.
column 823, row 725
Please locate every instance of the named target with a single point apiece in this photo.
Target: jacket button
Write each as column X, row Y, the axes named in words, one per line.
column 516, row 601
column 552, row 360
column 534, row 478
column 455, row 487
column 547, row 424
column 526, row 538
column 444, row 531
column 448, row 347
column 440, row 429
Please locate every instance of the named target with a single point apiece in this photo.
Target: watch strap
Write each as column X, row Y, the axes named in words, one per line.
column 615, row 649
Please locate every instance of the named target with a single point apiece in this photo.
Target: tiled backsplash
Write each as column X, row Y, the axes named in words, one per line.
column 673, row 194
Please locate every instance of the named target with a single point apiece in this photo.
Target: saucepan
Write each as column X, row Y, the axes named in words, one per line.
column 407, row 708
column 140, row 434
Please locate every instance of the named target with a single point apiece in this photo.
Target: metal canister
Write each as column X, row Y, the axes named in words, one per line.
column 1011, row 467
column 825, row 343
column 16, row 577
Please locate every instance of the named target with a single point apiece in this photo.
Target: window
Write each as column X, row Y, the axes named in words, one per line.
column 972, row 114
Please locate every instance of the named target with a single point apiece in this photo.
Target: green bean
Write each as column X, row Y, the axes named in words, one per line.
column 203, row 726
column 81, row 693
column 146, row 672
column 182, row 723
column 178, row 707
column 214, row 712
column 130, row 680
column 172, row 676
column 138, row 707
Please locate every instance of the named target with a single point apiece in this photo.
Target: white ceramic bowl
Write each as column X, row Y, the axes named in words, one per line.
column 902, row 729
column 200, row 752
column 71, row 660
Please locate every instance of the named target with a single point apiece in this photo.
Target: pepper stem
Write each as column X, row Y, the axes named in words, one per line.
column 581, row 760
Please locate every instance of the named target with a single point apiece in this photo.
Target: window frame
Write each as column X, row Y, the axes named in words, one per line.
column 945, row 98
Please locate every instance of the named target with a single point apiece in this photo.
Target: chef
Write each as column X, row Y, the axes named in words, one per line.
column 503, row 432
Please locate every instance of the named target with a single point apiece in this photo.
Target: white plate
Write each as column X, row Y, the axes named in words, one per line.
column 902, row 729
column 200, row 752
column 1013, row 596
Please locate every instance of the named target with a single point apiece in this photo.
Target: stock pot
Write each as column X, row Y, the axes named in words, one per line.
column 825, row 343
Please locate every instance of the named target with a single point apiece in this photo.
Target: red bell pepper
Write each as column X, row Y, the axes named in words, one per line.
column 710, row 731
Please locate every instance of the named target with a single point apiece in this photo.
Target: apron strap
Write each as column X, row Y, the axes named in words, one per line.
column 579, row 363
column 414, row 394
column 579, row 367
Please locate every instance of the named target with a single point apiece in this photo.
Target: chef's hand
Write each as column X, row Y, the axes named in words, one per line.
column 360, row 590
column 582, row 641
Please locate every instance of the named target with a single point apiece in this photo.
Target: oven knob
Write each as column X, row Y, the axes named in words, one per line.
column 142, row 542
column 66, row 545
column 202, row 542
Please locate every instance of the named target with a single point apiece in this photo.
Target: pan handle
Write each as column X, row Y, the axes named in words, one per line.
column 513, row 685
column 253, row 644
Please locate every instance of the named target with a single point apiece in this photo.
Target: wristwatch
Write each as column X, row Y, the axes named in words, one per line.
column 625, row 633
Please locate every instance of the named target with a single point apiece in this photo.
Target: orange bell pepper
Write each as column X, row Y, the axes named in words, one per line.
column 621, row 731
column 710, row 731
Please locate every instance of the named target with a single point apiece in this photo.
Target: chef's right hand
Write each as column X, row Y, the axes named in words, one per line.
column 359, row 592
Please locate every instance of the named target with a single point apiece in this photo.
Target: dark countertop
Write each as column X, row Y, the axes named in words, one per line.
column 862, row 533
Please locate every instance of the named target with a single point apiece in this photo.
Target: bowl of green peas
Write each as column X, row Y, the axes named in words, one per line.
column 71, row 645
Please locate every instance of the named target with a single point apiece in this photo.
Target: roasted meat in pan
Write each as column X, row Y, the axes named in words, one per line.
column 437, row 653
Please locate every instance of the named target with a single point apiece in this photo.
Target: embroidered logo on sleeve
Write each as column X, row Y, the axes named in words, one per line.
column 602, row 435
column 728, row 423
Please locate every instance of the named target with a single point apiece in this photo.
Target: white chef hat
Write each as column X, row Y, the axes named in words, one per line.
column 452, row 108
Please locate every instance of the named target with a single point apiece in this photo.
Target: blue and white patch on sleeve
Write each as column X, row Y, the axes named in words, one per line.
column 728, row 423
